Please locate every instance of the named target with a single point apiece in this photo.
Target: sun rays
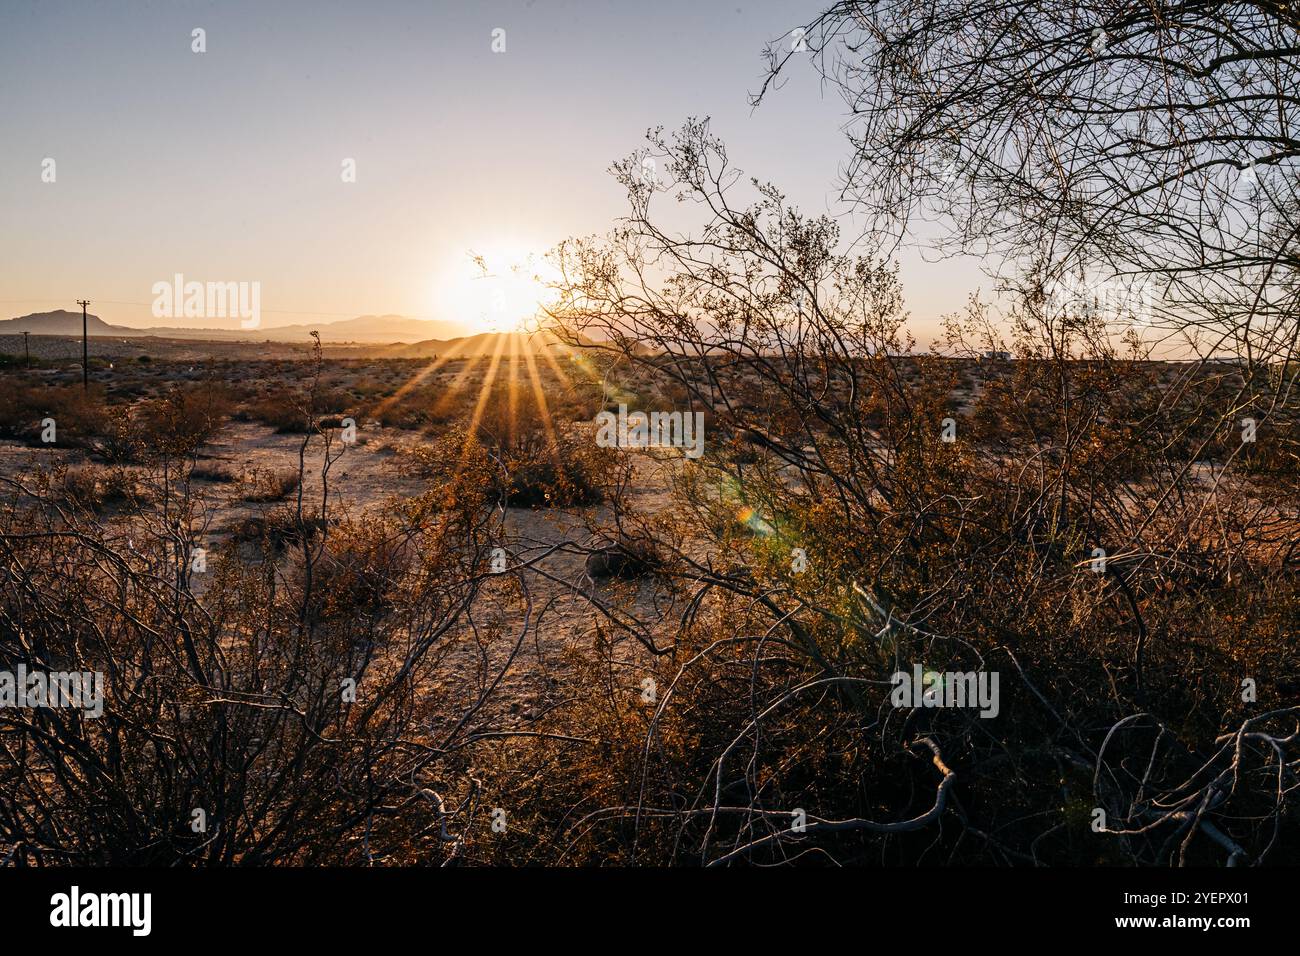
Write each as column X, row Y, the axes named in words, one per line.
column 496, row 366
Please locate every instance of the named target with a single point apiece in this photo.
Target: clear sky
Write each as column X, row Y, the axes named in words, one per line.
column 226, row 165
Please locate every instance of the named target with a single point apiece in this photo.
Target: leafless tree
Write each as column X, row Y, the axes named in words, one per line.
column 1148, row 146
column 972, row 553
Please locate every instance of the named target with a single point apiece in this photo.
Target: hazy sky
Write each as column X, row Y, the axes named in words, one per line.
column 226, row 165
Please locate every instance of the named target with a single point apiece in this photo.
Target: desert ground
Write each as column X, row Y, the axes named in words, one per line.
column 562, row 628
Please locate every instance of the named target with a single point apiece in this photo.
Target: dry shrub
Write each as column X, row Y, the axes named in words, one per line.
column 214, row 472
column 1155, row 683
column 269, row 484
column 81, row 417
column 297, row 411
column 94, row 487
column 186, row 418
column 775, row 694
column 359, row 571
column 237, row 706
column 174, row 426
column 528, row 459
column 276, row 529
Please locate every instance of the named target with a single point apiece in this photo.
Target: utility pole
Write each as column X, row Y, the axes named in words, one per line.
column 27, row 349
column 85, row 361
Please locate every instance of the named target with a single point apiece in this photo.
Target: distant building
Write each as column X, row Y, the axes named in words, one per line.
column 996, row 356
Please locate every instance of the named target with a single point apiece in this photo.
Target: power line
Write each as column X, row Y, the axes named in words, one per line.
column 85, row 360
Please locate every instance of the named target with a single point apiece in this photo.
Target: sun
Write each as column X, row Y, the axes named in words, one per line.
column 495, row 287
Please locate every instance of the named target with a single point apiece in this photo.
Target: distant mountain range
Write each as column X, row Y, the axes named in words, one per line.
column 508, row 344
column 368, row 329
